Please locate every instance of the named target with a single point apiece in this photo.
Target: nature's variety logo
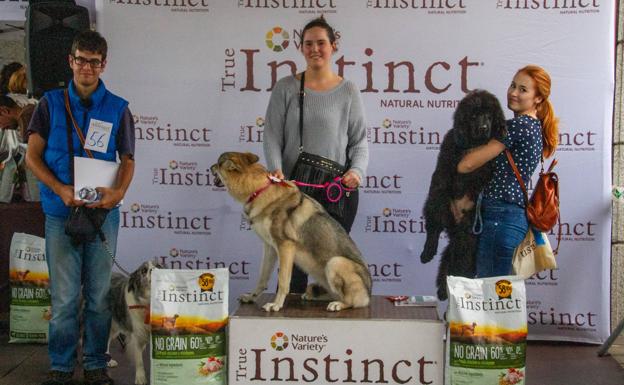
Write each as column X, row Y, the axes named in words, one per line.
column 135, row 207
column 277, row 39
column 503, row 288
column 387, row 123
column 173, row 164
column 174, row 252
column 260, row 121
column 394, row 220
column 279, row 341
column 206, row 282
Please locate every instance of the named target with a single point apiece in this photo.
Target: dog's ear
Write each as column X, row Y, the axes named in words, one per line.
column 229, row 165
column 134, row 281
column 250, row 157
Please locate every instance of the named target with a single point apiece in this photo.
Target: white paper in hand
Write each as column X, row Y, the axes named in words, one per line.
column 93, row 173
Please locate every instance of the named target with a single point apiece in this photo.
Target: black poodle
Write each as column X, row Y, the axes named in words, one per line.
column 450, row 204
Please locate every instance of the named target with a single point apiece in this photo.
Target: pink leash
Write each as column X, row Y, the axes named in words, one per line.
column 329, row 187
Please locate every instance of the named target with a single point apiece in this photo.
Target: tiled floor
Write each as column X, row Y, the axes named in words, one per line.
column 548, row 363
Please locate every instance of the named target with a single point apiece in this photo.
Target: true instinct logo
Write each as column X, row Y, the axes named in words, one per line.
column 30, row 254
column 387, row 272
column 141, row 216
column 172, row 5
column 146, row 128
column 583, row 321
column 544, row 278
column 382, row 184
column 303, row 6
column 401, row 132
column 490, row 304
column 578, row 232
column 577, row 141
column 271, row 365
column 191, row 259
column 431, row 6
column 184, row 173
column 183, row 295
column 563, row 6
column 252, row 133
column 400, row 76
column 394, row 220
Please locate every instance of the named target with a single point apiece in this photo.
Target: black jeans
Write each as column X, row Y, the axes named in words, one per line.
column 299, row 279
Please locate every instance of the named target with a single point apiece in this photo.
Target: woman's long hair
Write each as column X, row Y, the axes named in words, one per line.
column 545, row 111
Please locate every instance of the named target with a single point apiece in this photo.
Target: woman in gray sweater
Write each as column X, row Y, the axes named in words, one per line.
column 334, row 125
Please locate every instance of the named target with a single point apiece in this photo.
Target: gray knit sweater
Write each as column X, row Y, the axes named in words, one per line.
column 334, row 126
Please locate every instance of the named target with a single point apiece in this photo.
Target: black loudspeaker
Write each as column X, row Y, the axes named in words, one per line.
column 50, row 30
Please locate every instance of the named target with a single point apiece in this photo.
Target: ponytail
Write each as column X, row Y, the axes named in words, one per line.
column 545, row 111
column 550, row 127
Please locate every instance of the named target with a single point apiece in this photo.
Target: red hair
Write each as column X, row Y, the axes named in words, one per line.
column 545, row 111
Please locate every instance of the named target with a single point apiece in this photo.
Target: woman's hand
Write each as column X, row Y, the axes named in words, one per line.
column 277, row 174
column 351, row 179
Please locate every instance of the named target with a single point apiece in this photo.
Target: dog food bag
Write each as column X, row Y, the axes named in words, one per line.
column 487, row 331
column 189, row 313
column 30, row 293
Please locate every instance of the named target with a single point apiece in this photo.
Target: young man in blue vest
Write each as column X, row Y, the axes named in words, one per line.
column 108, row 127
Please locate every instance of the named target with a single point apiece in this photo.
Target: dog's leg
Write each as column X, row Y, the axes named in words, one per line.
column 268, row 265
column 346, row 284
column 111, row 363
column 316, row 292
column 286, row 254
column 135, row 349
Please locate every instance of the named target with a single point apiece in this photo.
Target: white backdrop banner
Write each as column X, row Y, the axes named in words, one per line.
column 198, row 75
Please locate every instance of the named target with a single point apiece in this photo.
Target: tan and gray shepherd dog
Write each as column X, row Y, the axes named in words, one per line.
column 295, row 229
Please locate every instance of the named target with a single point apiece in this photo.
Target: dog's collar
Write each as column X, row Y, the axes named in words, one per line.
column 272, row 180
column 145, row 308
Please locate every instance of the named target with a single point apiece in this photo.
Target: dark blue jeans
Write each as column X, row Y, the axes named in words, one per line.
column 504, row 227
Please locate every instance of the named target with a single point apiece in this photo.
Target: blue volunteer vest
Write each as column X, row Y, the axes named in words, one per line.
column 106, row 107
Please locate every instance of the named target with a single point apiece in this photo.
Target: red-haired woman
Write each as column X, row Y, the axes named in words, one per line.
column 532, row 133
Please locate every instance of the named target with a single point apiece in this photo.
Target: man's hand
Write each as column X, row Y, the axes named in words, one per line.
column 109, row 198
column 351, row 179
column 66, row 193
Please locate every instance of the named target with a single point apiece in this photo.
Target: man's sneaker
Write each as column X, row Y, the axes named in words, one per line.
column 56, row 377
column 97, row 377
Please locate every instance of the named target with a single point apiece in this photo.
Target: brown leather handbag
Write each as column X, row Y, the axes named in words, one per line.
column 542, row 208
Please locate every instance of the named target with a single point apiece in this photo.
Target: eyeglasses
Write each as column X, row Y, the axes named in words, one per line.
column 81, row 62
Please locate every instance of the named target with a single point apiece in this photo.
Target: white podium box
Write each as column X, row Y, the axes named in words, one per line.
column 304, row 343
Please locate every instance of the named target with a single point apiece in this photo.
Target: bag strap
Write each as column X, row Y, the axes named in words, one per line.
column 70, row 145
column 518, row 177
column 301, row 95
column 78, row 130
column 526, row 196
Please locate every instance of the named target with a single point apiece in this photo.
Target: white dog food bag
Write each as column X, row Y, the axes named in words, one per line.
column 487, row 331
column 189, row 313
column 30, row 294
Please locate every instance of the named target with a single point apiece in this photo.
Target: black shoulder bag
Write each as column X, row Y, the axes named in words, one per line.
column 320, row 177
column 83, row 224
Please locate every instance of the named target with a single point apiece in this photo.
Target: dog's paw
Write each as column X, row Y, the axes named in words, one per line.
column 336, row 306
column 248, row 298
column 429, row 251
column 112, row 363
column 272, row 306
column 140, row 379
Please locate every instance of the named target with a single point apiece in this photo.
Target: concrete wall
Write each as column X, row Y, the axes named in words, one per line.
column 617, row 238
